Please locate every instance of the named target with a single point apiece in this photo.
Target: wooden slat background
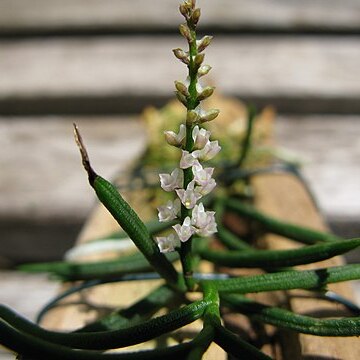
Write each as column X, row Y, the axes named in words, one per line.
column 300, row 75
column 49, row 15
column 301, row 57
column 64, row 61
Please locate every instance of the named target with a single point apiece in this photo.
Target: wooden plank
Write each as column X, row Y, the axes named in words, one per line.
column 80, row 74
column 70, row 15
column 326, row 145
column 283, row 197
column 42, row 177
column 37, row 287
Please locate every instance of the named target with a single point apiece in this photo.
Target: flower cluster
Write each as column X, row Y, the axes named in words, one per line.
column 191, row 180
column 200, row 222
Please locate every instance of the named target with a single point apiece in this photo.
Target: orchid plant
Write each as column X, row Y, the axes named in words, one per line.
column 190, row 181
column 186, row 230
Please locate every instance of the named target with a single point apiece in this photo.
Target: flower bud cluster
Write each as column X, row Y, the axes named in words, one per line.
column 200, row 222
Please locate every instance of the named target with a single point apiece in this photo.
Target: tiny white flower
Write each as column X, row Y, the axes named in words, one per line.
column 208, row 152
column 188, row 197
column 170, row 211
column 200, row 137
column 206, row 189
column 202, row 176
column 170, row 182
column 176, row 139
column 203, row 221
column 188, row 159
column 167, row 243
column 184, row 231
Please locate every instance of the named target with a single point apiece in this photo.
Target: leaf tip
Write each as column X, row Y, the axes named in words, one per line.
column 84, row 155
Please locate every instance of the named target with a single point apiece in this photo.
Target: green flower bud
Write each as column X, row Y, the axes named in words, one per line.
column 185, row 10
column 204, row 70
column 199, row 58
column 208, row 91
column 181, row 55
column 181, row 87
column 195, row 16
column 209, row 115
column 185, row 32
column 181, row 98
column 190, row 3
column 204, row 43
column 192, row 117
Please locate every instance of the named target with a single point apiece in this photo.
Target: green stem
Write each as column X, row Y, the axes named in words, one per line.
column 186, row 247
column 223, row 337
column 237, row 347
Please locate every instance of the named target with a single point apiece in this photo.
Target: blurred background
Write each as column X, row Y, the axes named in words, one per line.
column 100, row 62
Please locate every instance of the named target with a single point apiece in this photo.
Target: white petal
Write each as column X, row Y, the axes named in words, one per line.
column 188, row 197
column 202, row 176
column 170, row 182
column 207, row 188
column 200, row 137
column 167, row 243
column 169, row 211
column 209, row 151
column 184, row 231
column 176, row 139
column 203, row 221
column 188, row 159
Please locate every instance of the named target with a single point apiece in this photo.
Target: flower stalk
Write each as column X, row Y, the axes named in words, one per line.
column 190, row 181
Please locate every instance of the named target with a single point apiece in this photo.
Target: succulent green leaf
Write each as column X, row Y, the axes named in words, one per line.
column 307, row 279
column 288, row 320
column 279, row 258
column 68, row 271
column 109, row 339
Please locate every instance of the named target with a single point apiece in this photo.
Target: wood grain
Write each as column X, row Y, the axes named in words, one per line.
column 261, row 67
column 328, row 153
column 25, row 15
column 283, row 197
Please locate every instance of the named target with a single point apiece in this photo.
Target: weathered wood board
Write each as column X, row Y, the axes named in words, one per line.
column 318, row 142
column 47, row 15
column 102, row 74
column 283, row 197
